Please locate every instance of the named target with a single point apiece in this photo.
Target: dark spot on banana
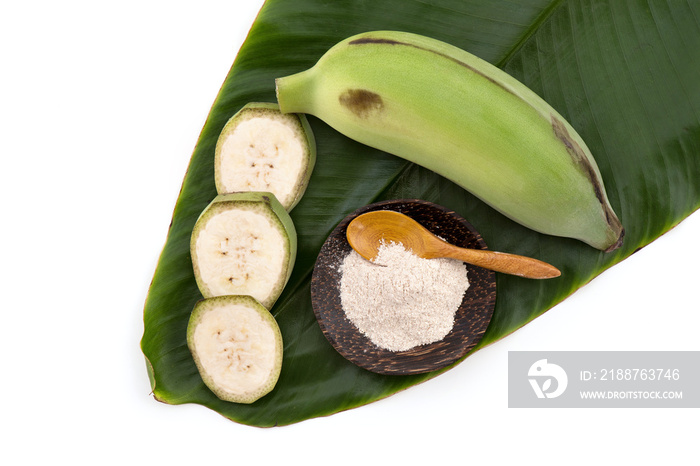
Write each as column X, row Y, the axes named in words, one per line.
column 361, row 102
column 619, row 242
column 371, row 40
column 579, row 157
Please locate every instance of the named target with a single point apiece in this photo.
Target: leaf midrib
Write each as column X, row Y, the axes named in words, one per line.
column 529, row 32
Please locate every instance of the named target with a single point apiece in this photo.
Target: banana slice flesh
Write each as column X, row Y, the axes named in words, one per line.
column 243, row 244
column 237, row 347
column 260, row 149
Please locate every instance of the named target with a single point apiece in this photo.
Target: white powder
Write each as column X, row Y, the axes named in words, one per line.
column 400, row 300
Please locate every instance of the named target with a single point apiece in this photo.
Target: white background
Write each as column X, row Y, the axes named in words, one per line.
column 101, row 104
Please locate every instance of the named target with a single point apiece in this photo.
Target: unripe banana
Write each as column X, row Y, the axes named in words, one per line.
column 451, row 112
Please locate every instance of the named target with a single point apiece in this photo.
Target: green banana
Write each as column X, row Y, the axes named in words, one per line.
column 443, row 108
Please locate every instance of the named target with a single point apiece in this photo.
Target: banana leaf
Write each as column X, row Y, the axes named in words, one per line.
column 625, row 74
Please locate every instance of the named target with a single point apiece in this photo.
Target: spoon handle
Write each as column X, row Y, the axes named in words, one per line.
column 512, row 264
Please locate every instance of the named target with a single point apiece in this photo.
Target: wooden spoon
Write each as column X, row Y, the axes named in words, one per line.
column 367, row 231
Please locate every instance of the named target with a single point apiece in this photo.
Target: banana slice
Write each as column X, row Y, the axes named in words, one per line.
column 243, row 244
column 237, row 347
column 260, row 149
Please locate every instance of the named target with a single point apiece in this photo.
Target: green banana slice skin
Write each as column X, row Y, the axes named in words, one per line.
column 445, row 109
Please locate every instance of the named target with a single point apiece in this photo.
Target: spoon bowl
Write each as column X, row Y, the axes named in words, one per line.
column 471, row 319
column 367, row 232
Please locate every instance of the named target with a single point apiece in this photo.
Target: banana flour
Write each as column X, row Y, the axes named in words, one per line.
column 399, row 300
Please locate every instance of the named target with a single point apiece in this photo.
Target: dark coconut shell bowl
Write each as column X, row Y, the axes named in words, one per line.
column 471, row 319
